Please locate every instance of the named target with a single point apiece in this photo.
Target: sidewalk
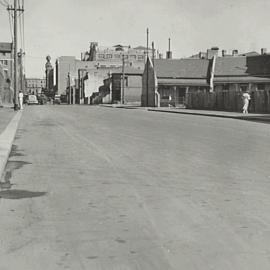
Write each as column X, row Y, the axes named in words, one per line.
column 221, row 114
column 6, row 114
column 9, row 121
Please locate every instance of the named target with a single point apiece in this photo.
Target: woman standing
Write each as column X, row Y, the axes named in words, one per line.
column 246, row 99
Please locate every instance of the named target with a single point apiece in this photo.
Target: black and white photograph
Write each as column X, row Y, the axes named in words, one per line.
column 134, row 135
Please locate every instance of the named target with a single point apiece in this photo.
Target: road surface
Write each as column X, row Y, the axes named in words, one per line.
column 103, row 188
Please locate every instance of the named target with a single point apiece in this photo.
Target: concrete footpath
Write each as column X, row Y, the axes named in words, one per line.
column 221, row 114
column 7, row 134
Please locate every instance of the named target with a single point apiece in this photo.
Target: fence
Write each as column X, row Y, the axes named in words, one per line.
column 229, row 101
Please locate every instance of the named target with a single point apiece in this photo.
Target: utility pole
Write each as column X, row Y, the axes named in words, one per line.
column 147, row 66
column 20, row 63
column 123, row 79
column 15, row 9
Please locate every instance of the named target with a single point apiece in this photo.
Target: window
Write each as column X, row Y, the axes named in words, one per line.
column 117, row 56
column 226, row 86
column 261, row 86
column 244, row 87
column 108, row 56
column 132, row 57
column 140, row 57
column 101, row 56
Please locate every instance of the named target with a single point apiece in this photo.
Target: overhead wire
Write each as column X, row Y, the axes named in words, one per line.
column 23, row 26
column 20, row 26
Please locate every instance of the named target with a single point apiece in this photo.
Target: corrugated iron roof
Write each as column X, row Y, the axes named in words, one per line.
column 181, row 68
column 243, row 65
column 231, row 66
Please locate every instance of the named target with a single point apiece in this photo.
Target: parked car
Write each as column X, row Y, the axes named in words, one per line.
column 63, row 98
column 32, row 99
column 42, row 99
column 57, row 99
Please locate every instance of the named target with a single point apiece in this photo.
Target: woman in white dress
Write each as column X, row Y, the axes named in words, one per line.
column 246, row 99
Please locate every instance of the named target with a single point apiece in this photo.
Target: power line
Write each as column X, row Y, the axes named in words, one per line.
column 23, row 27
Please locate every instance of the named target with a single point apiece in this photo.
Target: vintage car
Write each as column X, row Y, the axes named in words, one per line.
column 42, row 99
column 57, row 99
column 32, row 99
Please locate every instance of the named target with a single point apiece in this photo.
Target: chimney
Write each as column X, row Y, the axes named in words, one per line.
column 169, row 53
column 234, row 52
column 212, row 52
column 224, row 52
column 202, row 55
column 263, row 51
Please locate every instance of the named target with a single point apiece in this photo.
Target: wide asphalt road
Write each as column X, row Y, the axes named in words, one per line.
column 104, row 188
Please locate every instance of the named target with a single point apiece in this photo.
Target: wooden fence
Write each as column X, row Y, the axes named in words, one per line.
column 228, row 101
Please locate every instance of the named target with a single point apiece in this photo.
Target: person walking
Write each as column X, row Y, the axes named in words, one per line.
column 21, row 100
column 246, row 99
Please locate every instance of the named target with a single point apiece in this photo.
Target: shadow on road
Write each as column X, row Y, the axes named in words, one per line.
column 15, row 152
column 16, row 194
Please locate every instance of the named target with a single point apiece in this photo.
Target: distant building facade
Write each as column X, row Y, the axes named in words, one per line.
column 113, row 56
column 97, row 61
column 6, row 63
column 35, row 85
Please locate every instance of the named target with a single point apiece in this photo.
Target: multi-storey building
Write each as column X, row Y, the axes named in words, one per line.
column 99, row 61
column 35, row 85
column 110, row 56
column 6, row 62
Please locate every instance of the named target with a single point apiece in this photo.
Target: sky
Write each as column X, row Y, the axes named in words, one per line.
column 66, row 27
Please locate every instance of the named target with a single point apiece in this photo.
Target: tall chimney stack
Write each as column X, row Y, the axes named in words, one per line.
column 169, row 53
column 235, row 52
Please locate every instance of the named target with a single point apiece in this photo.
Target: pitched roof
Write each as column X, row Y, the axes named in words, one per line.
column 181, row 68
column 5, row 47
column 243, row 65
column 253, row 53
column 231, row 66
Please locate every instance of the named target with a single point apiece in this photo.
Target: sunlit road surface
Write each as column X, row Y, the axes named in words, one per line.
column 105, row 188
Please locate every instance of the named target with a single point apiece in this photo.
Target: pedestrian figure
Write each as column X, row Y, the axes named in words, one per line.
column 170, row 99
column 246, row 99
column 21, row 100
